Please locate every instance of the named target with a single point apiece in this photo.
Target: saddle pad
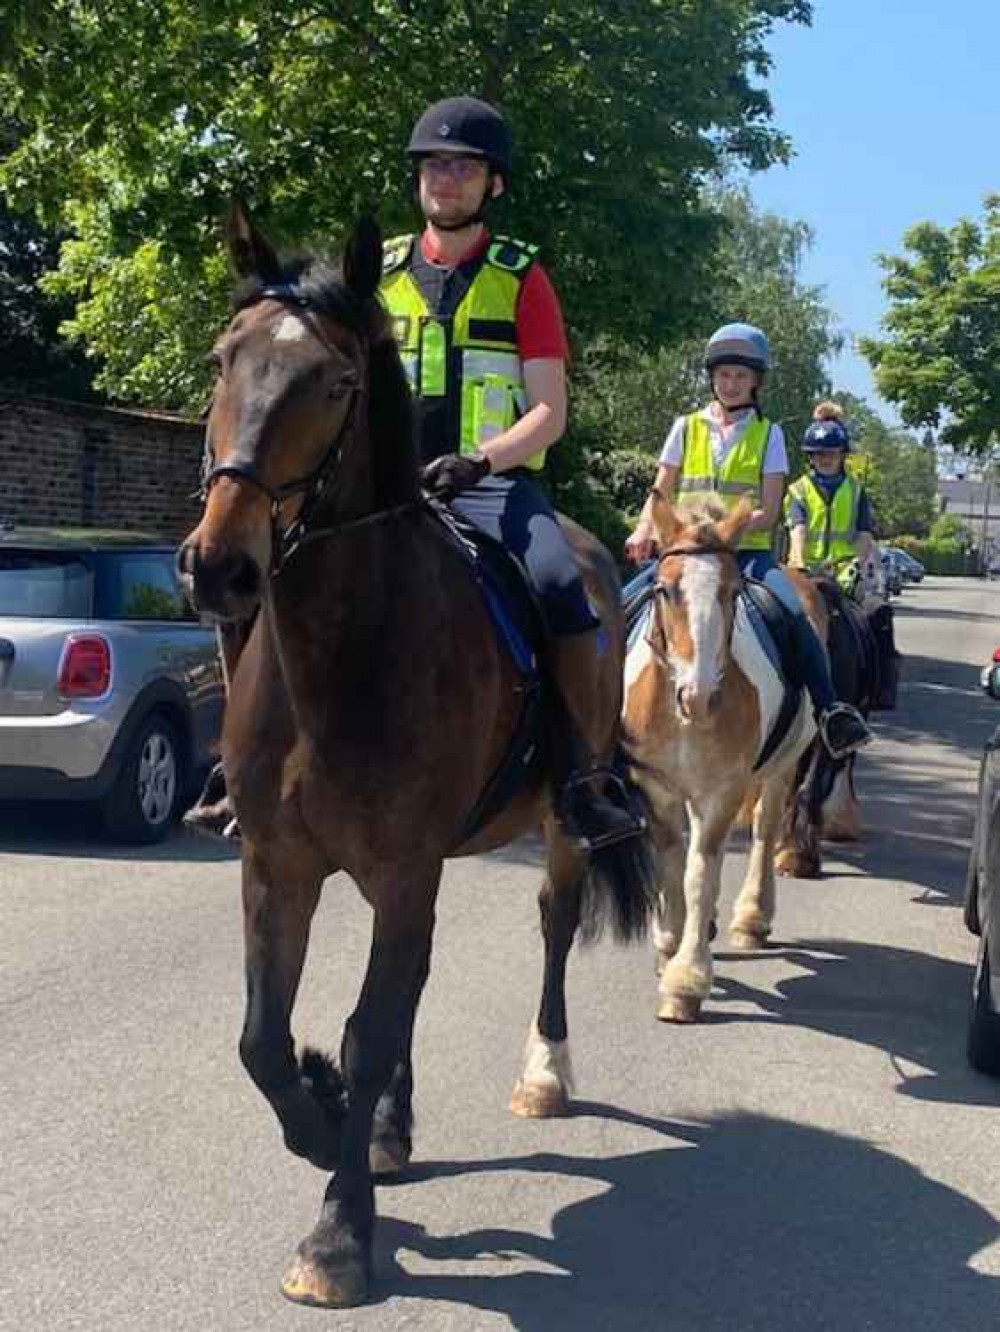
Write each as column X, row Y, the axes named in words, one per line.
column 780, row 702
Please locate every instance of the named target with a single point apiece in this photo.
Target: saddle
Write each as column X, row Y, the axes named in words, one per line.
column 520, row 628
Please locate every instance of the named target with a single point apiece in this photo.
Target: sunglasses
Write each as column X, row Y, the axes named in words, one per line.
column 455, row 165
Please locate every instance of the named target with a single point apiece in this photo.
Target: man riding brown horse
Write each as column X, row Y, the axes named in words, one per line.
column 481, row 335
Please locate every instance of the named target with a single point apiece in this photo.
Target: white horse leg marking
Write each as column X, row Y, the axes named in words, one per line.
column 753, row 911
column 668, row 837
column 687, row 977
column 546, row 1083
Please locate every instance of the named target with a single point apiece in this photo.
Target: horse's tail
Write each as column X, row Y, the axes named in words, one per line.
column 619, row 884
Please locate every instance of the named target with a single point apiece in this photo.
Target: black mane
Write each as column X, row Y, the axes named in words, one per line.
column 320, row 283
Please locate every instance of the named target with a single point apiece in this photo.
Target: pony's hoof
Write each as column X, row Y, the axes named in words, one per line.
column 794, row 866
column 336, row 1287
column 539, row 1100
column 679, row 1008
column 388, row 1156
column 745, row 941
column 841, row 832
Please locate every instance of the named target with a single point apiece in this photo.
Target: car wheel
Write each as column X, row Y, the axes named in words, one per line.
column 984, row 1024
column 145, row 800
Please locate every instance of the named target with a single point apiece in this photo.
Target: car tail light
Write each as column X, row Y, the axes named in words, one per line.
column 85, row 669
column 996, row 654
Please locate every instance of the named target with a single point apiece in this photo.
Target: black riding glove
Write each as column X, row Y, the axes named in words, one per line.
column 448, row 476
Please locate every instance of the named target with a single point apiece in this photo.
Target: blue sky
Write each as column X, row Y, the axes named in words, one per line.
column 894, row 114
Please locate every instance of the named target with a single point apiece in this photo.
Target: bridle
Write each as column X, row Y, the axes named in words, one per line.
column 660, row 591
column 317, row 483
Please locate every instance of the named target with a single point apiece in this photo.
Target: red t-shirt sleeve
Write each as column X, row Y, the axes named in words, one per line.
column 541, row 333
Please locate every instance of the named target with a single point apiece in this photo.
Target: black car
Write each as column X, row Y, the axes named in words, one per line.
column 982, row 898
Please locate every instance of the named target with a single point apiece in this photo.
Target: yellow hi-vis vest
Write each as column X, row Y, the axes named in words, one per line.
column 739, row 475
column 831, row 527
column 469, row 361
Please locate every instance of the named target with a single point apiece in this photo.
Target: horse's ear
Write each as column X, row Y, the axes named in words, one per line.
column 665, row 520
column 730, row 529
column 363, row 258
column 251, row 254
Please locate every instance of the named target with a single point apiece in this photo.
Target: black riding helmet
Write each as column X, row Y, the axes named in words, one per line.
column 463, row 125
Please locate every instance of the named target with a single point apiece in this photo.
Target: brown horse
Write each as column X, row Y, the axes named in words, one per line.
column 696, row 690
column 367, row 712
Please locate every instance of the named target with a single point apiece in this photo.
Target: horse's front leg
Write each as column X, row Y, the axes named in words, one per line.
column 277, row 913
column 668, row 840
column 333, row 1264
column 686, row 980
column 546, row 1081
column 753, row 911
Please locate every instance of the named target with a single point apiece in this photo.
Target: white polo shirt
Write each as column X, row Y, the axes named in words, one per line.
column 724, row 440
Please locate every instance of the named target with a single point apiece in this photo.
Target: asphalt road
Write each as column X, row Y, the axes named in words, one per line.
column 815, row 1155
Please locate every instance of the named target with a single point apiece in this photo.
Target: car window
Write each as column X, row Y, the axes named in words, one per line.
column 45, row 585
column 141, row 585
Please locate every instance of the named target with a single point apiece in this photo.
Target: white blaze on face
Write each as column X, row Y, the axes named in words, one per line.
column 290, row 329
column 700, row 586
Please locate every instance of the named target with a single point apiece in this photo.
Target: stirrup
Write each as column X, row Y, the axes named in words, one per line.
column 838, row 752
column 579, row 817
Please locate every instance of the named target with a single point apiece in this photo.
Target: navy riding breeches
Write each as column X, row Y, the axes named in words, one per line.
column 514, row 510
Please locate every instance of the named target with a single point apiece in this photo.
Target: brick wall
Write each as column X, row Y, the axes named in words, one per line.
column 71, row 464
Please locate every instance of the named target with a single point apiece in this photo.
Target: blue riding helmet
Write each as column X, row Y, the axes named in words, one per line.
column 824, row 436
column 738, row 344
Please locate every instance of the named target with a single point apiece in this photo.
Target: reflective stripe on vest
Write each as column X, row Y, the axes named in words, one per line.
column 831, row 528
column 739, row 475
column 486, row 374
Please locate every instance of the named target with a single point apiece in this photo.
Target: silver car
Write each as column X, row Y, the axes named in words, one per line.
column 110, row 688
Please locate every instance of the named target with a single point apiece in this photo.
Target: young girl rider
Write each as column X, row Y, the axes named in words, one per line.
column 828, row 513
column 725, row 450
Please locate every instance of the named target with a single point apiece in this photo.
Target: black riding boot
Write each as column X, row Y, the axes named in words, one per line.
column 591, row 800
column 843, row 730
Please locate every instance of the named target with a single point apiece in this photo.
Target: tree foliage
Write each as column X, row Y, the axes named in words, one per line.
column 627, row 396
column 142, row 117
column 899, row 471
column 34, row 358
column 940, row 358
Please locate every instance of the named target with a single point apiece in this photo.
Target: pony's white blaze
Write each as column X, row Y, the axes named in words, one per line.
column 291, row 329
column 700, row 583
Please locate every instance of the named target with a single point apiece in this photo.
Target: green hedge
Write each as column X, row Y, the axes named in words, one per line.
column 943, row 555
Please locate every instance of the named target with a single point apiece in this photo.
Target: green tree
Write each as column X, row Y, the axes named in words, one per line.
column 144, row 115
column 626, row 397
column 35, row 358
column 940, row 358
column 898, row 470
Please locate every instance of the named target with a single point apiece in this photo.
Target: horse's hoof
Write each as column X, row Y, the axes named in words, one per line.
column 336, row 1287
column 388, row 1156
column 743, row 941
column 794, row 866
column 539, row 1100
column 679, row 1008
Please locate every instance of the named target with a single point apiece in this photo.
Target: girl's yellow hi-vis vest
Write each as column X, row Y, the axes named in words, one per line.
column 471, row 357
column 739, row 475
column 831, row 528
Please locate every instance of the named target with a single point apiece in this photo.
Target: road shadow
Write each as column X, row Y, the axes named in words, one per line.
column 72, row 831
column 912, row 1006
column 742, row 1224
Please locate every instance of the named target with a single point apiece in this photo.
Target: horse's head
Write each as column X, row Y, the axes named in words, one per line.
column 696, row 583
column 291, row 377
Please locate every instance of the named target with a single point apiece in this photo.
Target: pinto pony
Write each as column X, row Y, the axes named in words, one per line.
column 367, row 712
column 694, row 710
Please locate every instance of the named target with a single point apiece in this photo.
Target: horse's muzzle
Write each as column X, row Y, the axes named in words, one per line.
column 696, row 705
column 226, row 585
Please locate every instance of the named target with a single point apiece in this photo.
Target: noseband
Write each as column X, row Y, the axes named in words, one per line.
column 313, row 486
